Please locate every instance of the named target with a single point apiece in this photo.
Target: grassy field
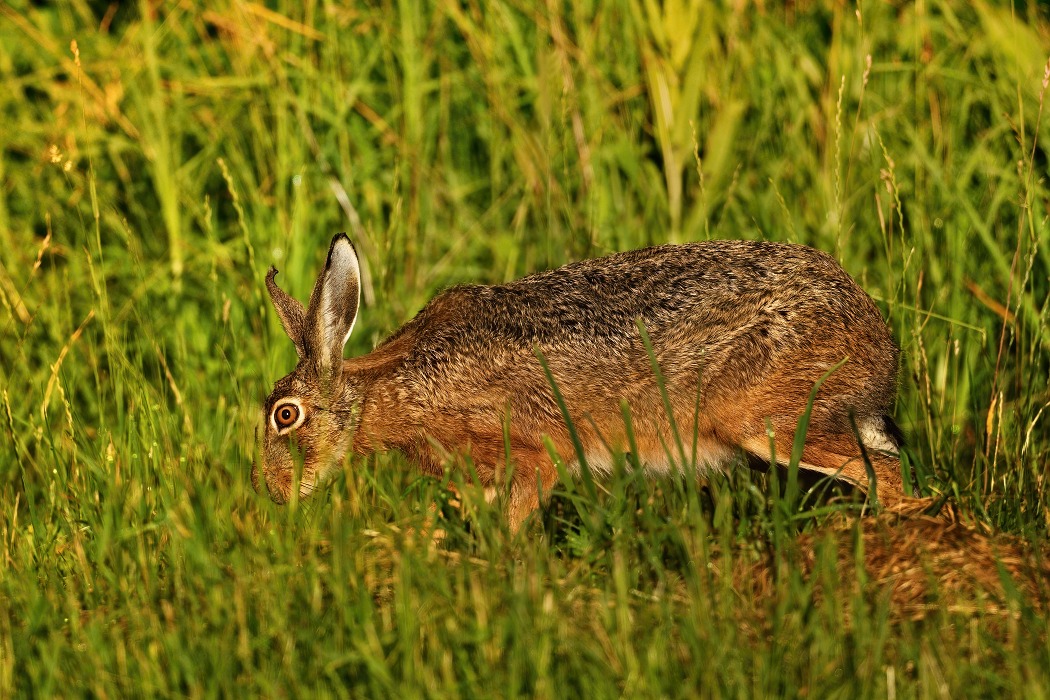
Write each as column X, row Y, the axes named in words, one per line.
column 156, row 158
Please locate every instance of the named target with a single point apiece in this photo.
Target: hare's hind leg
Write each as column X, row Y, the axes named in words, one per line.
column 838, row 455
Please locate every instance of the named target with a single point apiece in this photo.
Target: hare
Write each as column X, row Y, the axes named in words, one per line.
column 741, row 332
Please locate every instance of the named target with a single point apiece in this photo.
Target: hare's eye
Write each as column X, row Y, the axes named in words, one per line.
column 286, row 415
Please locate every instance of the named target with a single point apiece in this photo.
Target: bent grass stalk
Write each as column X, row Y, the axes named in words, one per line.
column 791, row 494
column 581, row 456
column 661, row 384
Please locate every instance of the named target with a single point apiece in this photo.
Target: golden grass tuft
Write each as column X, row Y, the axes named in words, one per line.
column 924, row 564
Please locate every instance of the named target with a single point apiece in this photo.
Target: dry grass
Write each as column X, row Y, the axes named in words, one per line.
column 923, row 564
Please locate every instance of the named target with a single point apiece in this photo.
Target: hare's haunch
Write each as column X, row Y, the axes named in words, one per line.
column 741, row 332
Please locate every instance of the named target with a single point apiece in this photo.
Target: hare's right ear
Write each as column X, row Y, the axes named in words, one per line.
column 290, row 311
column 333, row 308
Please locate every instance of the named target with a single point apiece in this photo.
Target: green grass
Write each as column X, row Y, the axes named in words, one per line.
column 149, row 183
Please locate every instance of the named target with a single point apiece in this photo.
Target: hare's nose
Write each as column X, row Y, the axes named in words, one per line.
column 255, row 466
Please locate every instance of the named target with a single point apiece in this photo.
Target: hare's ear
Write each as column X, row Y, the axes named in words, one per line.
column 290, row 311
column 333, row 308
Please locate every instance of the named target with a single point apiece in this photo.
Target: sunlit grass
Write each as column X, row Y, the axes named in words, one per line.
column 150, row 179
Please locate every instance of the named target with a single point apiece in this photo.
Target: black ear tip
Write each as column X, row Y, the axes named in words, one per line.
column 271, row 273
column 337, row 239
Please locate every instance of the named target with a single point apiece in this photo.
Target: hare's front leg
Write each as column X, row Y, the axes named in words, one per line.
column 534, row 474
column 519, row 490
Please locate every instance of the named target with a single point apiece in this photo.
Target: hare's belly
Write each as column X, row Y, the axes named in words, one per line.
column 707, row 457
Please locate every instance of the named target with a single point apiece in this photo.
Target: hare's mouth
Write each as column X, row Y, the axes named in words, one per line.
column 278, row 496
column 275, row 491
column 280, row 490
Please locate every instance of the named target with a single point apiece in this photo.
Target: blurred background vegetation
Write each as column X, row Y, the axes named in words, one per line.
column 157, row 157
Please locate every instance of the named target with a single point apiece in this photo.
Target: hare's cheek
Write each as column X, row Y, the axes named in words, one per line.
column 298, row 450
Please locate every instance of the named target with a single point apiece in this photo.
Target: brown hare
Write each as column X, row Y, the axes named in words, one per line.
column 741, row 332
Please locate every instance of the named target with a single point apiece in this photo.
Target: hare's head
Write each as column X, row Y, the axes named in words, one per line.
column 310, row 415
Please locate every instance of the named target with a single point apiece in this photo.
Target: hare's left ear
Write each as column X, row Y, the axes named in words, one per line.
column 333, row 309
column 290, row 311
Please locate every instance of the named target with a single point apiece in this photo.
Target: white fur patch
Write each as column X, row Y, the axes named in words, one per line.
column 707, row 458
column 875, row 438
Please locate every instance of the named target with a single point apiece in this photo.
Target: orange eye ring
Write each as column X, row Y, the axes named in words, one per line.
column 285, row 415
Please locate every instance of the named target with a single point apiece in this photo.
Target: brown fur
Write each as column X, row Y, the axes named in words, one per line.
column 741, row 330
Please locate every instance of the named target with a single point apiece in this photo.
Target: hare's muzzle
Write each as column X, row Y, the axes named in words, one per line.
column 276, row 494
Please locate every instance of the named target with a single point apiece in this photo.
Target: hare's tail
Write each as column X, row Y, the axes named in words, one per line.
column 892, row 431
